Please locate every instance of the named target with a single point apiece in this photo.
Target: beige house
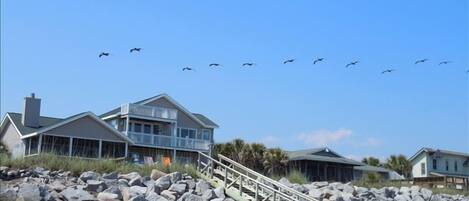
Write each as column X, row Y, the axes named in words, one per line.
column 154, row 129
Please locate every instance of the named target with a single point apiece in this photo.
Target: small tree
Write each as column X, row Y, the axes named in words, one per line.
column 400, row 164
column 371, row 161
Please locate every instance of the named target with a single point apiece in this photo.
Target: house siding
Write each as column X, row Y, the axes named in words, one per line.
column 417, row 166
column 441, row 165
column 11, row 139
column 85, row 127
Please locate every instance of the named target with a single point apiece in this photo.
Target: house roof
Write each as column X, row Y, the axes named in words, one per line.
column 198, row 117
column 320, row 154
column 431, row 151
column 371, row 168
column 43, row 122
column 48, row 123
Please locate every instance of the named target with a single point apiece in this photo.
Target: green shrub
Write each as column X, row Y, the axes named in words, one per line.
column 297, row 177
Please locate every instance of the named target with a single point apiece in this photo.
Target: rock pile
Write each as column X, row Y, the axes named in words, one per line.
column 336, row 191
column 39, row 184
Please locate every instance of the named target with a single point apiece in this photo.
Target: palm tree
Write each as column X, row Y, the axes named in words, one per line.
column 258, row 150
column 275, row 161
column 371, row 161
column 238, row 145
column 246, row 156
column 400, row 164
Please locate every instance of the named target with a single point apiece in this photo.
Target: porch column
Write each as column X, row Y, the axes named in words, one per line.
column 126, row 149
column 100, row 148
column 174, row 155
column 29, row 148
column 39, row 144
column 70, row 147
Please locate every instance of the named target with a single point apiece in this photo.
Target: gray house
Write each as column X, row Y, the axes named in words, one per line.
column 154, row 129
column 324, row 164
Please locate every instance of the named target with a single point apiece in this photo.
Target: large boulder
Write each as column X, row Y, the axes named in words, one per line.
column 175, row 177
column 209, row 195
column 114, row 190
column 219, row 192
column 89, row 175
column 112, row 175
column 137, row 190
column 163, row 182
column 138, row 198
column 104, row 196
column 29, row 192
column 154, row 197
column 95, row 186
column 192, row 197
column 201, row 186
column 169, row 195
column 7, row 194
column 129, row 176
column 178, row 188
column 426, row 194
column 136, row 181
column 156, row 174
column 76, row 194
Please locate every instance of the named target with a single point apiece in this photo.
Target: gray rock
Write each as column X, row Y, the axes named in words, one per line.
column 136, row 181
column 138, row 198
column 320, row 184
column 29, row 192
column 169, row 195
column 137, row 190
column 76, row 194
column 426, row 194
column 402, row 197
column 156, row 174
column 404, row 190
column 7, row 194
column 112, row 175
column 114, row 190
column 175, row 177
column 315, row 193
column 57, row 185
column 129, row 176
column 219, row 192
column 190, row 183
column 152, row 196
column 209, row 194
column 163, row 182
column 284, row 181
column 95, row 186
column 178, row 188
column 201, row 186
column 104, row 196
column 417, row 198
column 90, row 175
column 123, row 182
column 192, row 197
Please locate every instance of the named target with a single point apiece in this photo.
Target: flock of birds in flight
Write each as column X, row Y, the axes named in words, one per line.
column 316, row 61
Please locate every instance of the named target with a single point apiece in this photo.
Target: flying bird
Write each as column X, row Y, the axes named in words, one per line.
column 421, row 61
column 248, row 64
column 135, row 49
column 388, row 71
column 318, row 60
column 102, row 54
column 351, row 64
column 289, row 61
column 214, row 64
column 187, row 68
column 444, row 62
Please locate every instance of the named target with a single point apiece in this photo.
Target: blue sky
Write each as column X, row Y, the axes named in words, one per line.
column 51, row 48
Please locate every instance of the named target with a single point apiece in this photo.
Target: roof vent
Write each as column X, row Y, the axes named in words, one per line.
column 31, row 111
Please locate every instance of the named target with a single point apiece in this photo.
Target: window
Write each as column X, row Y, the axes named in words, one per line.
column 455, row 166
column 55, row 144
column 447, row 165
column 113, row 123
column 147, row 128
column 187, row 132
column 156, row 129
column 137, row 127
column 422, row 166
column 112, row 149
column 206, row 134
column 85, row 148
column 434, row 164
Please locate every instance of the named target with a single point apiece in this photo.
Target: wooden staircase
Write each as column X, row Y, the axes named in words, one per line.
column 242, row 183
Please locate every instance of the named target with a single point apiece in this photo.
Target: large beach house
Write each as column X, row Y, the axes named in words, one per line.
column 153, row 129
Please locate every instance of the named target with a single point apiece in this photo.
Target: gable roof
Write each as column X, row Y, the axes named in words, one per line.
column 48, row 123
column 15, row 119
column 317, row 154
column 199, row 118
column 431, row 151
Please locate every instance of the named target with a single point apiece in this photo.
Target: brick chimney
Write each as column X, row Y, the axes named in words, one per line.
column 31, row 111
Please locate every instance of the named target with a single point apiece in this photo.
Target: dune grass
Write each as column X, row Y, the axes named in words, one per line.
column 76, row 165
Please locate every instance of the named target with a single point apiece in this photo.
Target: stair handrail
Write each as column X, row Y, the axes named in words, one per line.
column 285, row 196
column 271, row 181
